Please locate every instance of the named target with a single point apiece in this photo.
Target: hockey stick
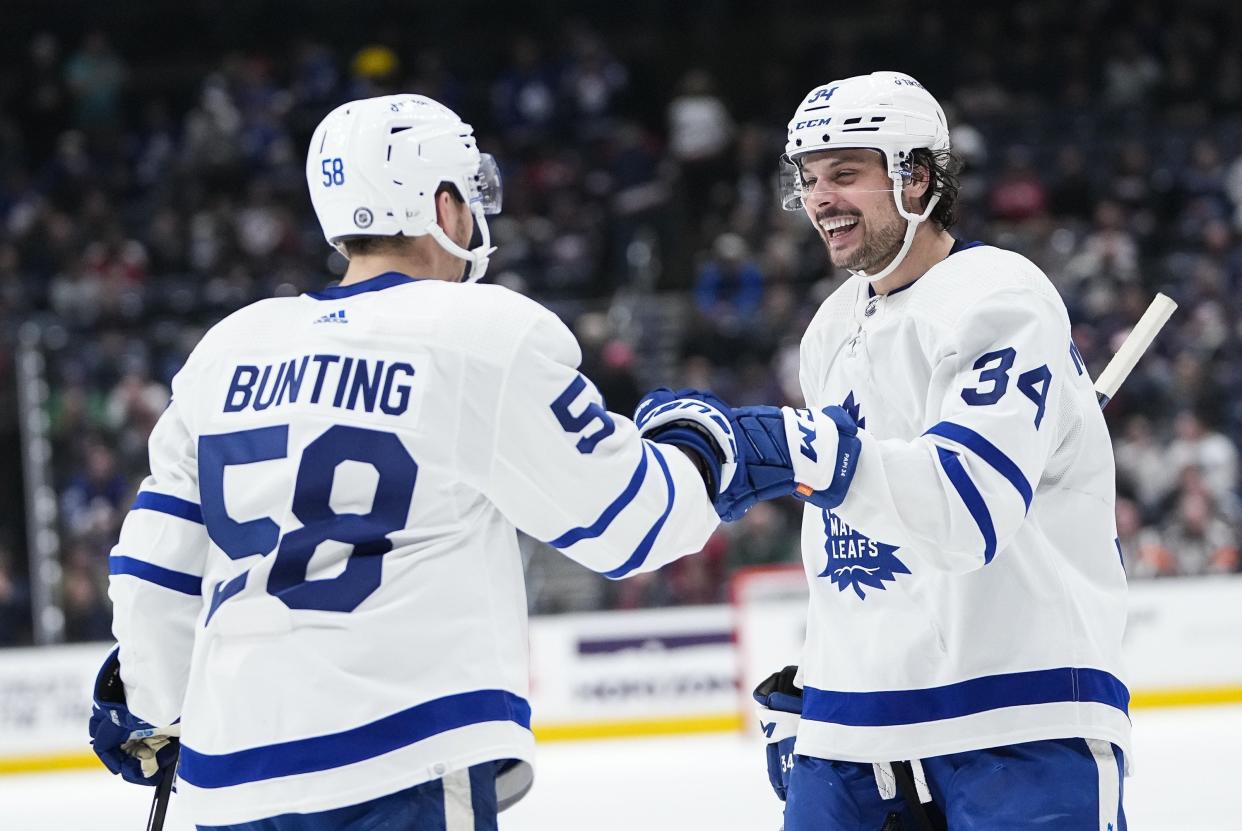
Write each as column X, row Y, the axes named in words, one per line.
column 1135, row 344
column 163, row 791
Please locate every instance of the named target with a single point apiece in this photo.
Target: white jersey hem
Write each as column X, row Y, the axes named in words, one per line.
column 350, row 784
column 923, row 741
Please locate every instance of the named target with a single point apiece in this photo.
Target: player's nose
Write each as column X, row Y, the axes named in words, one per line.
column 821, row 196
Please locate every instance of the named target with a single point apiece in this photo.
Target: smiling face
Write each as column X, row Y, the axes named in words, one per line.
column 849, row 198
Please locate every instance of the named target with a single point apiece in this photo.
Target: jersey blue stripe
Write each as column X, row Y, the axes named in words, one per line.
column 171, row 505
column 644, row 547
column 974, row 500
column 178, row 581
column 987, row 451
column 401, row 729
column 978, row 695
column 378, row 283
column 605, row 519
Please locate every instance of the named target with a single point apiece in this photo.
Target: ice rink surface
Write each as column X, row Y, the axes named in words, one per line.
column 1186, row 779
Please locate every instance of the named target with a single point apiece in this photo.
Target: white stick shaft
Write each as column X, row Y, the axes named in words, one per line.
column 1135, row 345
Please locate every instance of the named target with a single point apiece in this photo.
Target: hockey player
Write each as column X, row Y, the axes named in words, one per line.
column 319, row 585
column 967, row 598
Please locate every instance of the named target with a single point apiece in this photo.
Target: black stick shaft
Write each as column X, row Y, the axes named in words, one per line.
column 159, row 803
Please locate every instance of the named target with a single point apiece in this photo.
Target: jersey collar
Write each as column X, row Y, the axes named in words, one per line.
column 958, row 245
column 378, row 283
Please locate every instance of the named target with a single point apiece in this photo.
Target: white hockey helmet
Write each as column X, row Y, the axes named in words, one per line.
column 885, row 111
column 374, row 166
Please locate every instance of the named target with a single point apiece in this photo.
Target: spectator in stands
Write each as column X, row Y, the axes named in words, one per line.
column 524, row 98
column 1019, row 194
column 1133, row 536
column 1072, row 194
column 131, row 410
column 1195, row 445
column 1130, row 73
column 700, row 133
column 592, row 82
column 14, row 603
column 44, row 99
column 730, row 284
column 95, row 75
column 1142, row 464
column 95, row 496
column 1196, row 540
column 87, row 615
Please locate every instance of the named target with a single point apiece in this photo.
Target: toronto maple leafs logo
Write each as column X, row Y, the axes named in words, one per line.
column 855, row 561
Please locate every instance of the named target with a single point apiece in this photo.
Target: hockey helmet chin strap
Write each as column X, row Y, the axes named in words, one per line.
column 477, row 258
column 912, row 225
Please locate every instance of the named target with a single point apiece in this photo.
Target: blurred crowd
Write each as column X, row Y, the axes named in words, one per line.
column 145, row 194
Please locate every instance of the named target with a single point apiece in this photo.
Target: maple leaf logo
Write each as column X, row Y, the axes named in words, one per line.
column 855, row 561
column 854, row 408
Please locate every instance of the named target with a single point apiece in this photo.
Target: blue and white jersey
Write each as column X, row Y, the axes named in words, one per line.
column 321, row 576
column 969, row 591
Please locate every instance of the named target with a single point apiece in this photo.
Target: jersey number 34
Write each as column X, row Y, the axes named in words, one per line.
column 994, row 369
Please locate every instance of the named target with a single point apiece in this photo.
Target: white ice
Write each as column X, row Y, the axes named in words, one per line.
column 1186, row 777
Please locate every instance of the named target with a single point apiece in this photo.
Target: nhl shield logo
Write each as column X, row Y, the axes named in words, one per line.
column 363, row 217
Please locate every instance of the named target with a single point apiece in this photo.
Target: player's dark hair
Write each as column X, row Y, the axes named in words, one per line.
column 370, row 246
column 942, row 170
column 450, row 188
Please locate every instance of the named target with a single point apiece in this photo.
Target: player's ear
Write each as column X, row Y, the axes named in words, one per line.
column 449, row 213
column 919, row 182
column 446, row 217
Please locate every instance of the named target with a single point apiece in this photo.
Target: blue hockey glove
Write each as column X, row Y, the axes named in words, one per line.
column 698, row 423
column 127, row 744
column 745, row 452
column 780, row 707
column 820, row 472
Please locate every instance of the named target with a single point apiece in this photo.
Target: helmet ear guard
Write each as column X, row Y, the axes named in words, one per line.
column 374, row 167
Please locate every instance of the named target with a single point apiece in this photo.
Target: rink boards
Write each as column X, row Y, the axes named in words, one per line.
column 659, row 671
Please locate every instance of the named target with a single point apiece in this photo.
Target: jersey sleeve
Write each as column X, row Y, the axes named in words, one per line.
column 570, row 473
column 808, row 371
column 156, row 573
column 961, row 491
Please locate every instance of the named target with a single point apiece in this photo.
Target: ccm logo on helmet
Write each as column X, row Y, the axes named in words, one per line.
column 812, row 122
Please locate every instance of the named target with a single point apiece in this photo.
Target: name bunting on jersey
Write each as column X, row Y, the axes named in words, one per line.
column 381, row 385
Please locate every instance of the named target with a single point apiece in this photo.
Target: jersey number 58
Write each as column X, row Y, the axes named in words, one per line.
column 366, row 535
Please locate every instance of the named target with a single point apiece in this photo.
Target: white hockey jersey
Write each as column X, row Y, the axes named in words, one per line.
column 321, row 576
column 969, row 591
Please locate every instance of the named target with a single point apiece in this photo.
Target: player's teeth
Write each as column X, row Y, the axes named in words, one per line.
column 839, row 223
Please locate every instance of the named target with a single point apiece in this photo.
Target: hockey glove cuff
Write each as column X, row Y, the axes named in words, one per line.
column 827, row 453
column 696, row 422
column 786, row 451
column 125, row 743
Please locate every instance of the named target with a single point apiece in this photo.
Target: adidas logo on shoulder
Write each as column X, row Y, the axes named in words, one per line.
column 333, row 317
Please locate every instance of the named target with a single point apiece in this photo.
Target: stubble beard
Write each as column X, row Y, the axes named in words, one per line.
column 881, row 242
